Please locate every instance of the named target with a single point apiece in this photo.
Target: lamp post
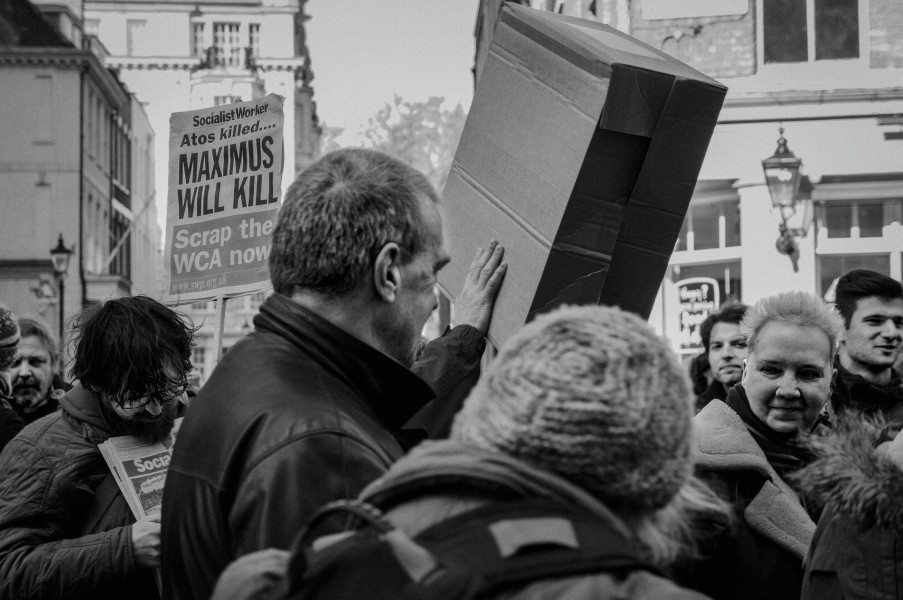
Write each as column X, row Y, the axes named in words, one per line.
column 782, row 174
column 60, row 257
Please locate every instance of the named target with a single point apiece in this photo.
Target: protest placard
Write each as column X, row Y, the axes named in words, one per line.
column 225, row 170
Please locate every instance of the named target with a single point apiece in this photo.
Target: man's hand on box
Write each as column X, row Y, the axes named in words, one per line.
column 474, row 304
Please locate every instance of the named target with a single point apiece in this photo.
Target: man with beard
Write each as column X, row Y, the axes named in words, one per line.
column 37, row 386
column 871, row 305
column 65, row 530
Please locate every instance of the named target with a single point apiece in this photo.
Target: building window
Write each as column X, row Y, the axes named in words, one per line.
column 198, row 358
column 229, row 99
column 809, row 30
column 122, row 263
column 226, row 44
column 133, row 29
column 862, row 219
column 198, row 46
column 710, row 225
column 254, row 39
column 832, row 266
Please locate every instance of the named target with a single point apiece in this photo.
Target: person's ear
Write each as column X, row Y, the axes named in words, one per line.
column 387, row 272
column 744, row 370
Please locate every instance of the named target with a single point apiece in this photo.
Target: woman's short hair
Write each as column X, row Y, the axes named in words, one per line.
column 793, row 308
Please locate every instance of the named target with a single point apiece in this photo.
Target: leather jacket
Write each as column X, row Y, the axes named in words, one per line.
column 297, row 414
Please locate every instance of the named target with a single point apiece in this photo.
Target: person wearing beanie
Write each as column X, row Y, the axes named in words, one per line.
column 748, row 445
column 10, row 422
column 586, row 407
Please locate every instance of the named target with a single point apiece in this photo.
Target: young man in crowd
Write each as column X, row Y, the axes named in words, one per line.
column 871, row 305
column 65, row 529
column 37, row 386
column 311, row 406
column 725, row 348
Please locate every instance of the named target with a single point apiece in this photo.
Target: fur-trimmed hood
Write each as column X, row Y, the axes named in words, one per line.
column 850, row 478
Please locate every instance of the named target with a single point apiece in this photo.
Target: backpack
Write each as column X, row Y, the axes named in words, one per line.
column 476, row 554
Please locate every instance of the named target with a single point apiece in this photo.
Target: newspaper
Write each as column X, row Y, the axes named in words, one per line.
column 140, row 469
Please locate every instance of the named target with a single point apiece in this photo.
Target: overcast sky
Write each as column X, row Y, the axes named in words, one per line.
column 364, row 51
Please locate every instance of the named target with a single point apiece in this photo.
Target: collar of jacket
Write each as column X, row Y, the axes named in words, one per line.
column 390, row 389
column 724, row 444
column 853, row 391
column 84, row 406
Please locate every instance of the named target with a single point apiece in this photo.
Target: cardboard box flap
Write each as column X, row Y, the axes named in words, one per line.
column 661, row 195
column 577, row 266
column 635, row 100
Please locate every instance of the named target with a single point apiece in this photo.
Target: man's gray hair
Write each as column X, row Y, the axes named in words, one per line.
column 337, row 216
column 37, row 327
column 794, row 308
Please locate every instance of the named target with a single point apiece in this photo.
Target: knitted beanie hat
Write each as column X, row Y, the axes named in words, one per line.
column 594, row 395
column 9, row 337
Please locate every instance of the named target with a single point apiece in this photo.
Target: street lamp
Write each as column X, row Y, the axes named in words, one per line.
column 60, row 257
column 782, row 174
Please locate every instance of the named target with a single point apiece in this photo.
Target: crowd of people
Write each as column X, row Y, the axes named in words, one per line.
column 585, row 462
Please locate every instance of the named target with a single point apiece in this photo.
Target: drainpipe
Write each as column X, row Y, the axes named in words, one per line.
column 81, row 185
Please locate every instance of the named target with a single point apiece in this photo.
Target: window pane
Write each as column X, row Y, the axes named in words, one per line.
column 871, row 220
column 838, row 220
column 832, row 266
column 785, row 31
column 732, row 223
column 837, row 29
column 705, row 226
column 197, row 39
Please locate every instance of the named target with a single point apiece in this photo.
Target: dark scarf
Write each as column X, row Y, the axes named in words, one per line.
column 782, row 450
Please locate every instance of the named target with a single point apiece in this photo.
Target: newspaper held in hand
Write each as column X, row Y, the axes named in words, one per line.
column 140, row 469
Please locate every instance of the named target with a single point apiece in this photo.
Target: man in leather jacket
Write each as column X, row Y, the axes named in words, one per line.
column 310, row 407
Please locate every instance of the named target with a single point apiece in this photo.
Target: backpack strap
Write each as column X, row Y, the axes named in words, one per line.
column 520, row 541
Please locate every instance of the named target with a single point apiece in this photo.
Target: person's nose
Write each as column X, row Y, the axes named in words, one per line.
column 788, row 387
column 24, row 370
column 153, row 407
column 890, row 330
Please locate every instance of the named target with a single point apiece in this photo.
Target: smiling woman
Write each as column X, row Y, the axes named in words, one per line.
column 748, row 444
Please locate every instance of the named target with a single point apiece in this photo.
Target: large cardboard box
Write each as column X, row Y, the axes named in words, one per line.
column 580, row 155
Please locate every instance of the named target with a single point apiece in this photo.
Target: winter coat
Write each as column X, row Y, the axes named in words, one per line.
column 478, row 478
column 65, row 530
column 761, row 557
column 297, row 414
column 857, row 550
column 852, row 392
column 10, row 423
